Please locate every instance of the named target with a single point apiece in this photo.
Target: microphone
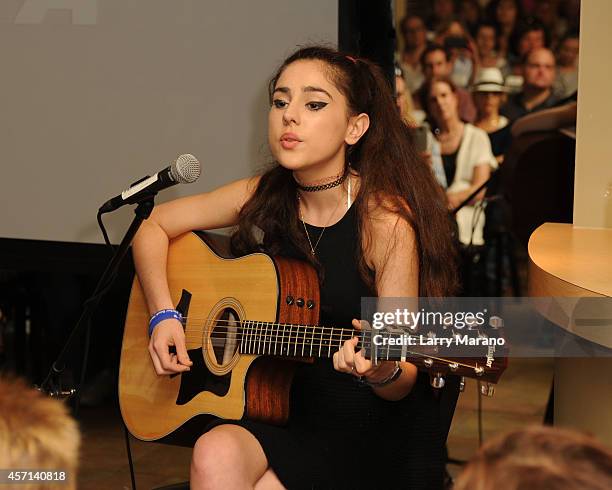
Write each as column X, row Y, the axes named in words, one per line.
column 184, row 170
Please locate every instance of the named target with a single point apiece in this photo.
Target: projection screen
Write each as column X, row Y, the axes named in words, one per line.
column 99, row 93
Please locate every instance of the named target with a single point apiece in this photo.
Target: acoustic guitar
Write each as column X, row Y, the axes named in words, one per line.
column 249, row 321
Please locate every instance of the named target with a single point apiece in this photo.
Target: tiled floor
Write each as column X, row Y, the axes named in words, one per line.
column 104, row 463
column 520, row 399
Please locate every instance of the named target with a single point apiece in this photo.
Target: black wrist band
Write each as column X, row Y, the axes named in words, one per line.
column 397, row 372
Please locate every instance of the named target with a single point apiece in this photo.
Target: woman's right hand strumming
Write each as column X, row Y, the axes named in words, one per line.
column 211, row 210
column 169, row 333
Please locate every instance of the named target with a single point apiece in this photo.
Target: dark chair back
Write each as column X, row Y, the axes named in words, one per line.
column 538, row 181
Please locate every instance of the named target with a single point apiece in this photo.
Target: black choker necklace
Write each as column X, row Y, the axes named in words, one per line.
column 323, row 187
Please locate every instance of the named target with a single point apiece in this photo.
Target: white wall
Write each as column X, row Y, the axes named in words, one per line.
column 593, row 178
column 95, row 94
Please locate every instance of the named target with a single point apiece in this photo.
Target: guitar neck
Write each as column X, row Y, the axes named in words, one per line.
column 283, row 339
column 290, row 340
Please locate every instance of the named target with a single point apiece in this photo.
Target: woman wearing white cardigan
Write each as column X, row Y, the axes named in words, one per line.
column 467, row 157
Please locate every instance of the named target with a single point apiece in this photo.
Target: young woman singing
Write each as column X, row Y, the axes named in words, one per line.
column 348, row 193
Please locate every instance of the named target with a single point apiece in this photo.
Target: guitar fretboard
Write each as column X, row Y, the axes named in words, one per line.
column 283, row 339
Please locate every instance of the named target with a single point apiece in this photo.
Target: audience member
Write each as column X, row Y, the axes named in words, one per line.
column 488, row 48
column 547, row 458
column 424, row 140
column 528, row 7
column 436, row 63
column 466, row 156
column 453, row 28
column 530, row 36
column 414, row 34
column 403, row 99
column 461, row 51
column 470, row 15
column 537, row 94
column 443, row 13
column 571, row 13
column 37, row 433
column 489, row 95
column 506, row 15
column 547, row 12
column 566, row 81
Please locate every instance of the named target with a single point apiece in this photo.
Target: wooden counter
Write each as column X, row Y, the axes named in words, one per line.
column 577, row 262
column 568, row 261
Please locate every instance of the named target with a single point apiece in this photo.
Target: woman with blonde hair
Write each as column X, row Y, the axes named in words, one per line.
column 535, row 457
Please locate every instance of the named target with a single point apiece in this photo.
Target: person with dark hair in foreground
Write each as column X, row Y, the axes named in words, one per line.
column 539, row 458
column 348, row 193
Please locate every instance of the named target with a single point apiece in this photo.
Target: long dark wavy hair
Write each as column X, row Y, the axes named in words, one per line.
column 392, row 174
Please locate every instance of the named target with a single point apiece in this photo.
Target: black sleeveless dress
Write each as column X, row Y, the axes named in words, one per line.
column 340, row 434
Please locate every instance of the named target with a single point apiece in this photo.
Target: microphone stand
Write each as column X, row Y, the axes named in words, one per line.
column 476, row 192
column 52, row 385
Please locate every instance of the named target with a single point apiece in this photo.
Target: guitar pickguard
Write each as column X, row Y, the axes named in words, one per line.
column 200, row 379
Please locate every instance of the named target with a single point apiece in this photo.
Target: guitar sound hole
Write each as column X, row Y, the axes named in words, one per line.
column 225, row 336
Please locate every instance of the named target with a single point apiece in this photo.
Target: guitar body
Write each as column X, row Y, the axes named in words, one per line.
column 248, row 321
column 214, row 293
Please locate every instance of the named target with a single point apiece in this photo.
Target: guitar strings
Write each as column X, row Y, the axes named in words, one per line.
column 253, row 329
column 255, row 325
column 267, row 345
column 383, row 357
column 251, row 334
column 242, row 323
column 294, row 339
column 254, row 337
column 393, row 351
column 257, row 335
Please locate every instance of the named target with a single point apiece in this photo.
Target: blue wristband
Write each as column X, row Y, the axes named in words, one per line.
column 162, row 315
